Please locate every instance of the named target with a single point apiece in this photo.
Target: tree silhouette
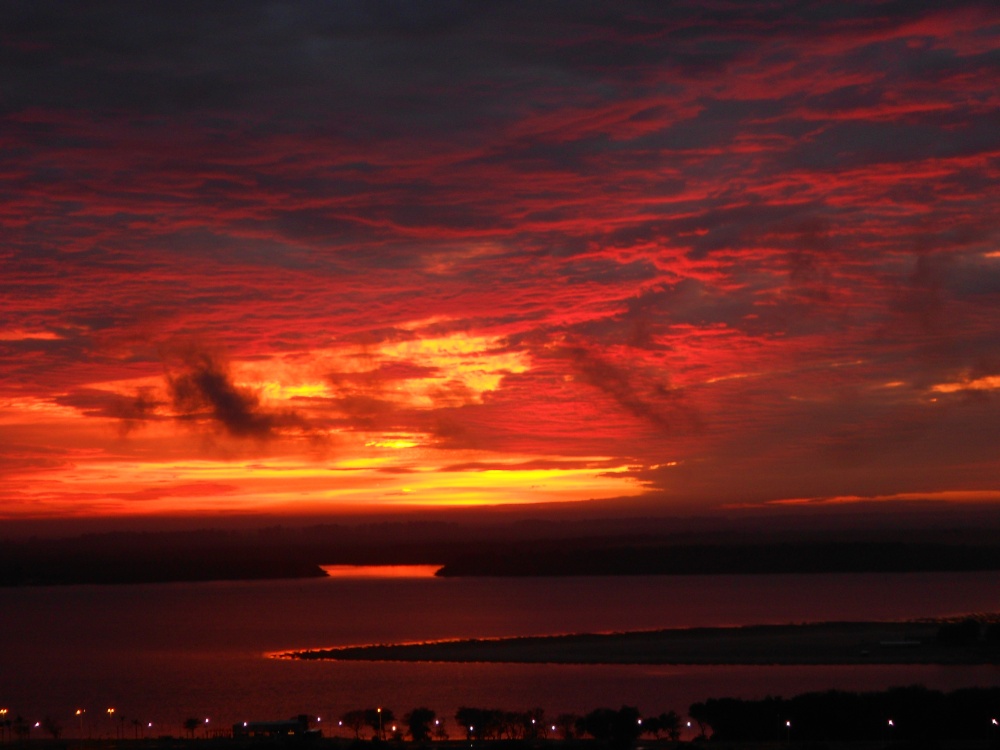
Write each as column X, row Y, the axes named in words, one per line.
column 378, row 719
column 418, row 723
column 699, row 712
column 567, row 724
column 670, row 725
column 191, row 724
column 53, row 727
column 619, row 728
column 440, row 732
column 21, row 728
column 354, row 720
column 534, row 724
column 472, row 722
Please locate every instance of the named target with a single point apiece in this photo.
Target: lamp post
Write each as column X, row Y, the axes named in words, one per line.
column 788, row 731
column 381, row 735
column 79, row 714
column 3, row 721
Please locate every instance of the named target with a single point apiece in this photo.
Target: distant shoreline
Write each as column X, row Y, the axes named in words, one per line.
column 591, row 558
column 462, row 551
column 827, row 643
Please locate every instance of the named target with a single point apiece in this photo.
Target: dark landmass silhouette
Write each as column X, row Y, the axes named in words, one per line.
column 122, row 558
column 748, row 558
column 511, row 549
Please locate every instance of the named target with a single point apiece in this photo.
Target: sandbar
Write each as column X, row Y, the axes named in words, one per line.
column 828, row 643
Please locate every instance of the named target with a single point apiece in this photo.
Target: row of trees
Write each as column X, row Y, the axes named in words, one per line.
column 420, row 724
column 20, row 728
column 910, row 714
column 898, row 714
column 907, row 714
column 620, row 727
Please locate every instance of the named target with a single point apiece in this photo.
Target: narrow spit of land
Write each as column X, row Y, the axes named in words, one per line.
column 915, row 642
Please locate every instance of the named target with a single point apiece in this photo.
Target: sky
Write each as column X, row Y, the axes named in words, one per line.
column 314, row 258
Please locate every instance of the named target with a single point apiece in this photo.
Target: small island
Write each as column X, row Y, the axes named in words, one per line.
column 966, row 641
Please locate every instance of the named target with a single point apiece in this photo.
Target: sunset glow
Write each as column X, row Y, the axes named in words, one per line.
column 317, row 259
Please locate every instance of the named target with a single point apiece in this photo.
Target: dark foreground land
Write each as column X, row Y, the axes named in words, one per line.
column 919, row 642
column 899, row 718
column 550, row 744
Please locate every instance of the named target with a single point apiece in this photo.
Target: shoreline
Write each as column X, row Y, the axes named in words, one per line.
column 824, row 643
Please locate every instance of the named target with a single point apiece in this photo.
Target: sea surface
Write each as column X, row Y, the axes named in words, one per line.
column 161, row 653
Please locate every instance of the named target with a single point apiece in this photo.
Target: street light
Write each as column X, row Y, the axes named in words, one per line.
column 381, row 734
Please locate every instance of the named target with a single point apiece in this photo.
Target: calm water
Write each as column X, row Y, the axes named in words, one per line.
column 162, row 653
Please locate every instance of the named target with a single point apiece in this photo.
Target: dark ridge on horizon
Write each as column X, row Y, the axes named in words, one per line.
column 742, row 558
column 516, row 549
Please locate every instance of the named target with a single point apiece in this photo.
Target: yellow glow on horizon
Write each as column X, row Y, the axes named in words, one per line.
column 136, row 487
column 170, row 464
column 953, row 496
column 514, row 486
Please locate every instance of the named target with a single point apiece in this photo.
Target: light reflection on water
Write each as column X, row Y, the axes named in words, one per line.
column 162, row 653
